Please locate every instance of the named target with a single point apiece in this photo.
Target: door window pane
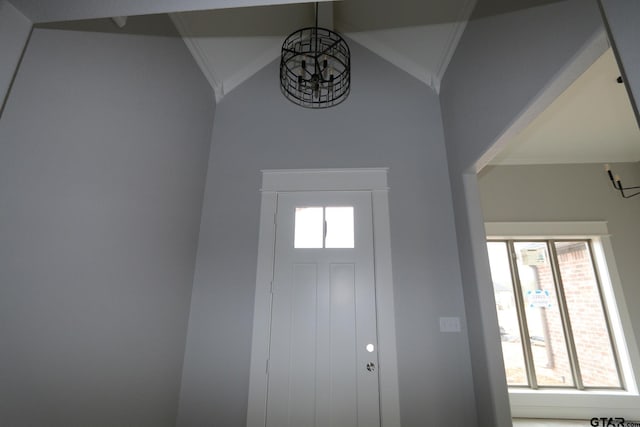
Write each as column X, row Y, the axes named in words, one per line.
column 588, row 323
column 506, row 307
column 546, row 333
column 339, row 227
column 309, row 227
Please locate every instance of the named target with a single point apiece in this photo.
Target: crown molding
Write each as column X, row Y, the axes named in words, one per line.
column 457, row 29
column 201, row 59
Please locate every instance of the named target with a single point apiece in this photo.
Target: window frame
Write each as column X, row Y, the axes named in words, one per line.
column 323, row 228
column 572, row 403
column 572, row 353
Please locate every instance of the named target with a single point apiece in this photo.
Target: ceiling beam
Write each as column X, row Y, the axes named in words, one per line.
column 39, row 11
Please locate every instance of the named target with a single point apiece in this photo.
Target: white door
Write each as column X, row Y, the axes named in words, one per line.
column 323, row 365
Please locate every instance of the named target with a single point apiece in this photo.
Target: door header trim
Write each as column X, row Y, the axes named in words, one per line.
column 364, row 179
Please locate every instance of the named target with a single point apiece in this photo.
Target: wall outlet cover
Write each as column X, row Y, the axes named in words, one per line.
column 449, row 324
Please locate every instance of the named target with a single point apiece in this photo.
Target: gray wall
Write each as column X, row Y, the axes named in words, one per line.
column 623, row 25
column 501, row 65
column 103, row 154
column 14, row 31
column 571, row 193
column 390, row 119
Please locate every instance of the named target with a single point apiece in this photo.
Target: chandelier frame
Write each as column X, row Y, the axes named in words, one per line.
column 315, row 67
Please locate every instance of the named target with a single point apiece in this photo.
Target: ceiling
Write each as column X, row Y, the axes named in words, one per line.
column 590, row 122
column 233, row 39
column 417, row 36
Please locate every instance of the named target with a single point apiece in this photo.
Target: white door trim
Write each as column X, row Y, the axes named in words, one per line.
column 324, row 180
column 374, row 180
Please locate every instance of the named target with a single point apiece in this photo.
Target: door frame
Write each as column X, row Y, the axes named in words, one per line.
column 373, row 180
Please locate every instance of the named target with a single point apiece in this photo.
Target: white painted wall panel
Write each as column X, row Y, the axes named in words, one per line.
column 302, row 346
column 344, row 409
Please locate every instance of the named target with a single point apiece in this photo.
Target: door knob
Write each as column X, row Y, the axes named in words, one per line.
column 371, row 366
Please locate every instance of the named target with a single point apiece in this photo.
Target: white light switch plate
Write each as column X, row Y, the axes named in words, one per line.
column 449, row 324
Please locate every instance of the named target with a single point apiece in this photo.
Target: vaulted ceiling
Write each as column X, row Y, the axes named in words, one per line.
column 233, row 39
column 590, row 122
column 417, row 36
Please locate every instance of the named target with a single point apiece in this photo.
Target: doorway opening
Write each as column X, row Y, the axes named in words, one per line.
column 546, row 192
column 323, row 349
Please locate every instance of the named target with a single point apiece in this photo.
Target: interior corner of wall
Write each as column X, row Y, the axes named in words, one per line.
column 177, row 20
column 218, row 91
column 239, row 77
column 6, row 4
column 434, row 83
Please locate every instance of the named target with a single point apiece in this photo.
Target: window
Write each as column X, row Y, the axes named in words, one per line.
column 554, row 328
column 329, row 227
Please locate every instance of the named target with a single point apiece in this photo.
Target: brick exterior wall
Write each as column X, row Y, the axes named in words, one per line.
column 593, row 346
column 552, row 365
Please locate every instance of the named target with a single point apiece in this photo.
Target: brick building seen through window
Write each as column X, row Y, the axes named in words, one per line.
column 553, row 325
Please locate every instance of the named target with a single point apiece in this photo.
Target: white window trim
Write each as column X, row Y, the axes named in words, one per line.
column 375, row 181
column 578, row 404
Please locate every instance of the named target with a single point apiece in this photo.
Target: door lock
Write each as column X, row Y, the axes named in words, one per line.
column 371, row 366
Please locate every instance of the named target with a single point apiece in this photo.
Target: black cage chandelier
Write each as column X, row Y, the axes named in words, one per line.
column 315, row 67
